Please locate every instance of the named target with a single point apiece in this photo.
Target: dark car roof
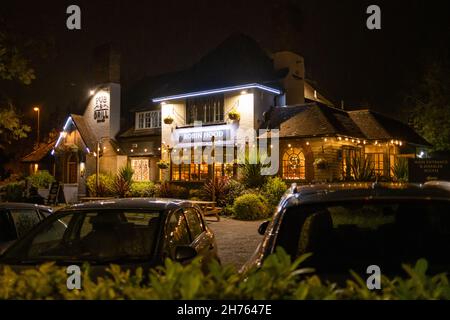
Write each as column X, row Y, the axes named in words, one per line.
column 17, row 205
column 156, row 204
column 323, row 193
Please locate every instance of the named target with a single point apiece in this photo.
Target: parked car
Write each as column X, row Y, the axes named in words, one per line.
column 128, row 232
column 352, row 226
column 16, row 219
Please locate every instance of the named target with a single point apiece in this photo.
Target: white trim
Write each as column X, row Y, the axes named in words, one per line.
column 215, row 91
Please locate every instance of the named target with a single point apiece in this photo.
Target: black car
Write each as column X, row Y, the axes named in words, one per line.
column 128, row 232
column 352, row 226
column 16, row 219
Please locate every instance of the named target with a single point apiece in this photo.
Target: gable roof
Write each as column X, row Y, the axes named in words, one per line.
column 376, row 126
column 85, row 132
column 40, row 153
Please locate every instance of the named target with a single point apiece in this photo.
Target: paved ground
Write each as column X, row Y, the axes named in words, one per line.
column 237, row 240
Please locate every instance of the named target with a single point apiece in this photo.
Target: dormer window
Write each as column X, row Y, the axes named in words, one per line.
column 148, row 120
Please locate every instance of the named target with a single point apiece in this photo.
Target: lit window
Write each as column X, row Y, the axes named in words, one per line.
column 148, row 120
column 293, row 164
column 141, row 169
column 205, row 109
column 377, row 163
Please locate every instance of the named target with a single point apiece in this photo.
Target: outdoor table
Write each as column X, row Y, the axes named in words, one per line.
column 204, row 205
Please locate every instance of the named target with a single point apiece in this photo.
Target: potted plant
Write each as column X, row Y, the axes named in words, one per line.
column 234, row 115
column 168, row 120
column 320, row 164
column 163, row 164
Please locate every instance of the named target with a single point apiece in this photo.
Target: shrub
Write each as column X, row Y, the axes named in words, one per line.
column 235, row 189
column 400, row 170
column 123, row 181
column 362, row 168
column 14, row 191
column 143, row 189
column 250, row 207
column 251, row 174
column 227, row 211
column 219, row 188
column 105, row 185
column 273, row 190
column 168, row 190
column 41, row 179
column 278, row 278
column 197, row 194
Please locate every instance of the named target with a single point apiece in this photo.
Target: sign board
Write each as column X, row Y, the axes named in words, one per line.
column 423, row 170
column 101, row 107
column 56, row 194
column 203, row 134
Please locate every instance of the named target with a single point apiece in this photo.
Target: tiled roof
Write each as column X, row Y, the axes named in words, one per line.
column 315, row 120
column 376, row 126
column 40, row 153
column 310, row 120
column 86, row 134
column 132, row 133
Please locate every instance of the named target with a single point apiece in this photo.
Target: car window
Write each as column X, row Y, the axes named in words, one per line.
column 24, row 220
column 194, row 222
column 177, row 232
column 356, row 235
column 49, row 237
column 7, row 230
column 44, row 213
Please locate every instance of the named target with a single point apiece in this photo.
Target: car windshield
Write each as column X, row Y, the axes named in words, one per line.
column 90, row 236
column 354, row 235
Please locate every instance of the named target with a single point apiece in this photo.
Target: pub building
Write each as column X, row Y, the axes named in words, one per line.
column 235, row 89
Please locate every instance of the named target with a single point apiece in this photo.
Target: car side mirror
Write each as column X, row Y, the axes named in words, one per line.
column 184, row 253
column 263, row 227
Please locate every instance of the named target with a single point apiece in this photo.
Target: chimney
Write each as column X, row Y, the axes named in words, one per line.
column 294, row 82
column 106, row 64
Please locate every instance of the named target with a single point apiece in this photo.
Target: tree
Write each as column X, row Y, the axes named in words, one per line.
column 13, row 66
column 430, row 106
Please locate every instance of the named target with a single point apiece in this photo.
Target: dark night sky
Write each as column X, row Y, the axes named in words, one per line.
column 362, row 67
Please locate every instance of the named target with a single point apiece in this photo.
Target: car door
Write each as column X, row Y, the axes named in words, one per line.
column 176, row 234
column 202, row 240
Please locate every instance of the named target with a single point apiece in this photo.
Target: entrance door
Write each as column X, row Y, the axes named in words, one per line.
column 72, row 170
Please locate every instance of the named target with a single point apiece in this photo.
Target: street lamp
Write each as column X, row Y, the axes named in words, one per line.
column 36, row 109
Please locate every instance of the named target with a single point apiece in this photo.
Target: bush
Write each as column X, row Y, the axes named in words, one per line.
column 123, row 181
column 235, row 189
column 41, row 179
column 278, row 278
column 197, row 194
column 250, row 207
column 251, row 176
column 143, row 189
column 400, row 170
column 227, row 211
column 273, row 190
column 14, row 191
column 105, row 185
column 168, row 190
column 219, row 188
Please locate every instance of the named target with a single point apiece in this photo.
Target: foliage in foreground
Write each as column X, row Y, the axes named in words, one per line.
column 278, row 278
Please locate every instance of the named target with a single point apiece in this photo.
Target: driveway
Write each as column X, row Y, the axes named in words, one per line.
column 236, row 240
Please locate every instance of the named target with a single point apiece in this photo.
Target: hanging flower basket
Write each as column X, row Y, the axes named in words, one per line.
column 321, row 164
column 234, row 115
column 163, row 165
column 168, row 120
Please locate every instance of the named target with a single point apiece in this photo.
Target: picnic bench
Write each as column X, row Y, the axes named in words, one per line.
column 208, row 208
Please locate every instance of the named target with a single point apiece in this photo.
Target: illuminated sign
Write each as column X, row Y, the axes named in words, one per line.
column 101, row 107
column 202, row 134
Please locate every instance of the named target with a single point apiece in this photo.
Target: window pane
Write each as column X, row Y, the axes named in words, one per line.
column 24, row 220
column 195, row 225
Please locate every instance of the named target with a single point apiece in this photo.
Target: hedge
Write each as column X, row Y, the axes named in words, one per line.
column 278, row 278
